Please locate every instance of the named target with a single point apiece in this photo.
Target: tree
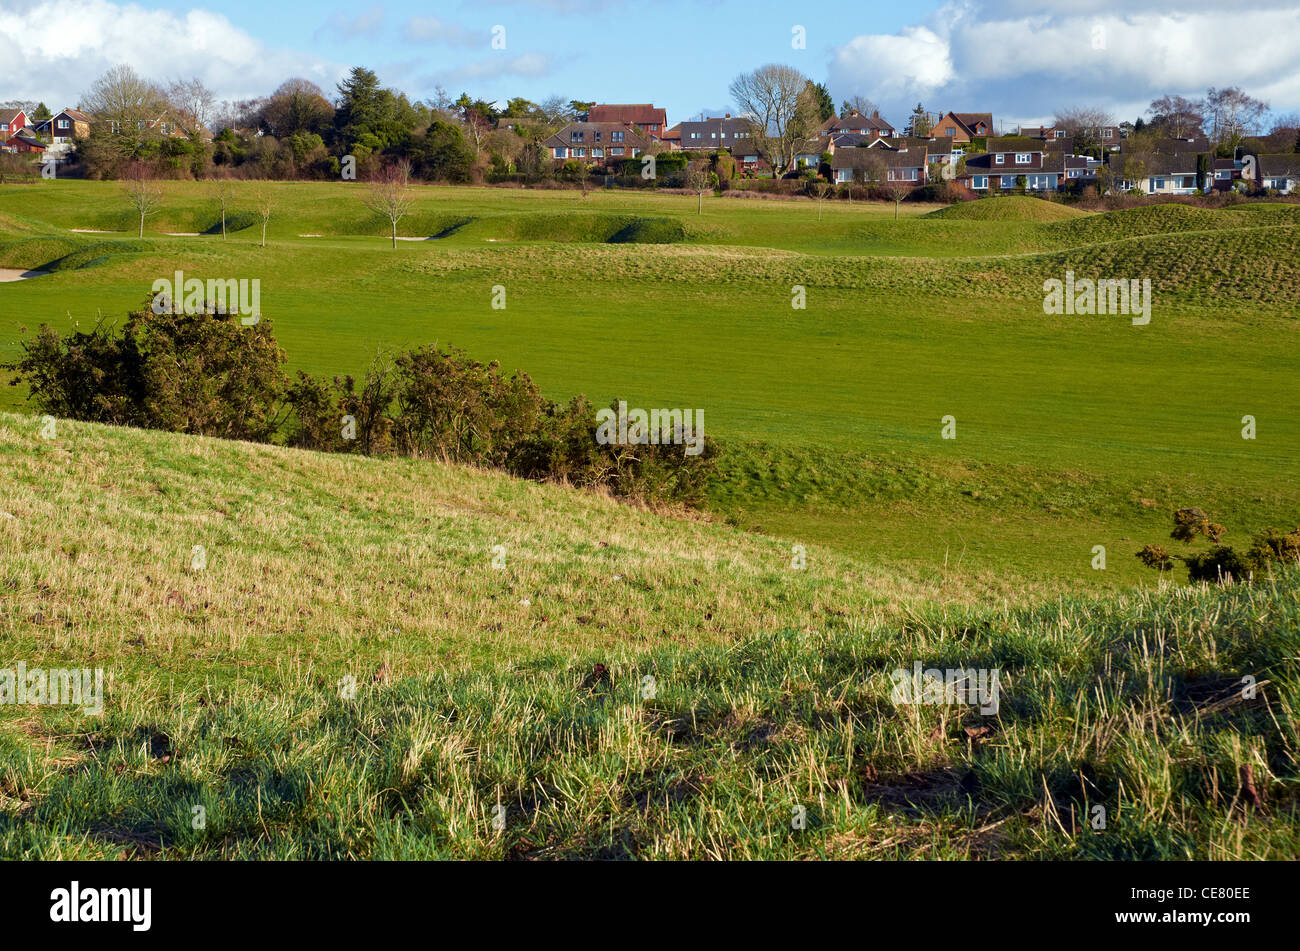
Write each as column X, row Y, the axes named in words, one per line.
column 143, row 194
column 781, row 112
column 297, row 107
column 1232, row 114
column 920, row 122
column 1177, row 116
column 263, row 204
column 122, row 96
column 1085, row 124
column 897, row 193
column 390, row 194
column 822, row 100
column 41, row 112
column 820, row 189
column 859, row 104
column 700, row 179
column 223, row 193
column 193, row 104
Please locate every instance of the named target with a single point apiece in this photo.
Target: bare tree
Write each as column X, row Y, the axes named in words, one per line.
column 700, row 179
column 390, row 194
column 897, row 192
column 1177, row 116
column 142, row 192
column 222, row 192
column 820, row 189
column 122, row 95
column 859, row 104
column 193, row 104
column 264, row 204
column 781, row 110
column 1232, row 114
column 1084, row 124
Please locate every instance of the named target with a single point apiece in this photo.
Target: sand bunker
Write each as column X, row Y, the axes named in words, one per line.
column 17, row 274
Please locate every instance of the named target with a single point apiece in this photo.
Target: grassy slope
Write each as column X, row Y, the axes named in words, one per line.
column 1073, row 432
column 771, row 685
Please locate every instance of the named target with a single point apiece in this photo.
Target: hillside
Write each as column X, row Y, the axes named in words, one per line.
column 478, row 686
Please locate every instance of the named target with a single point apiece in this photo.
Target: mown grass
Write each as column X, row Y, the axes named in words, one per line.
column 906, row 321
column 771, row 686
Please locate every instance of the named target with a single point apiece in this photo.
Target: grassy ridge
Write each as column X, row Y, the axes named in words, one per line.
column 771, row 686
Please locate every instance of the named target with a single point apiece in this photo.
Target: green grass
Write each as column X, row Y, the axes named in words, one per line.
column 1072, row 431
column 228, row 690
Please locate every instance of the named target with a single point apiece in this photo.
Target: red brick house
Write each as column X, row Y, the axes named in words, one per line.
column 596, row 142
column 963, row 126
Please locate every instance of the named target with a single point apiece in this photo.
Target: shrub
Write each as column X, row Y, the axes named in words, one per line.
column 204, row 373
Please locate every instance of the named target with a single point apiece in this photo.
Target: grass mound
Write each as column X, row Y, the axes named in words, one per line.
column 626, row 686
column 49, row 253
column 1008, row 208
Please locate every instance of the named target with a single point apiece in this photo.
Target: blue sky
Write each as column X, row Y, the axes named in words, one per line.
column 1019, row 59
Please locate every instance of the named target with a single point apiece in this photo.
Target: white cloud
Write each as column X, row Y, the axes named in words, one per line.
column 430, row 29
column 1010, row 57
column 365, row 23
column 55, row 50
column 532, row 65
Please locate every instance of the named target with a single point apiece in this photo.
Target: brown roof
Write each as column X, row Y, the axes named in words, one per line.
column 970, row 119
column 563, row 138
column 75, row 114
column 641, row 114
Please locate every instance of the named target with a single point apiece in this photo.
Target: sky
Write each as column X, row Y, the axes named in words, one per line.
column 1018, row 59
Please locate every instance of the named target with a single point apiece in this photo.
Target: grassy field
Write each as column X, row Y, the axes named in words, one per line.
column 349, row 676
column 230, row 686
column 1071, row 431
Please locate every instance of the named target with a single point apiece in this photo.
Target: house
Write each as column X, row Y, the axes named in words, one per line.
column 1155, row 173
column 672, row 137
column 1279, row 170
column 810, row 152
column 11, row 121
column 1225, row 172
column 1008, row 159
column 645, row 116
column 1169, row 146
column 24, row 141
column 882, row 166
column 854, row 122
column 713, row 133
column 963, row 126
column 68, row 125
column 593, row 142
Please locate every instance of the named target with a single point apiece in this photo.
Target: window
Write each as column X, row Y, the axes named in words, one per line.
column 1022, row 158
column 979, row 181
column 1157, row 183
column 1008, row 181
column 999, row 159
column 616, row 150
column 1222, row 175
column 596, row 137
column 4, row 126
column 713, row 135
column 561, row 152
column 616, row 136
column 950, row 131
column 575, row 136
column 1107, row 133
column 597, row 153
column 1060, row 133
column 579, row 153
